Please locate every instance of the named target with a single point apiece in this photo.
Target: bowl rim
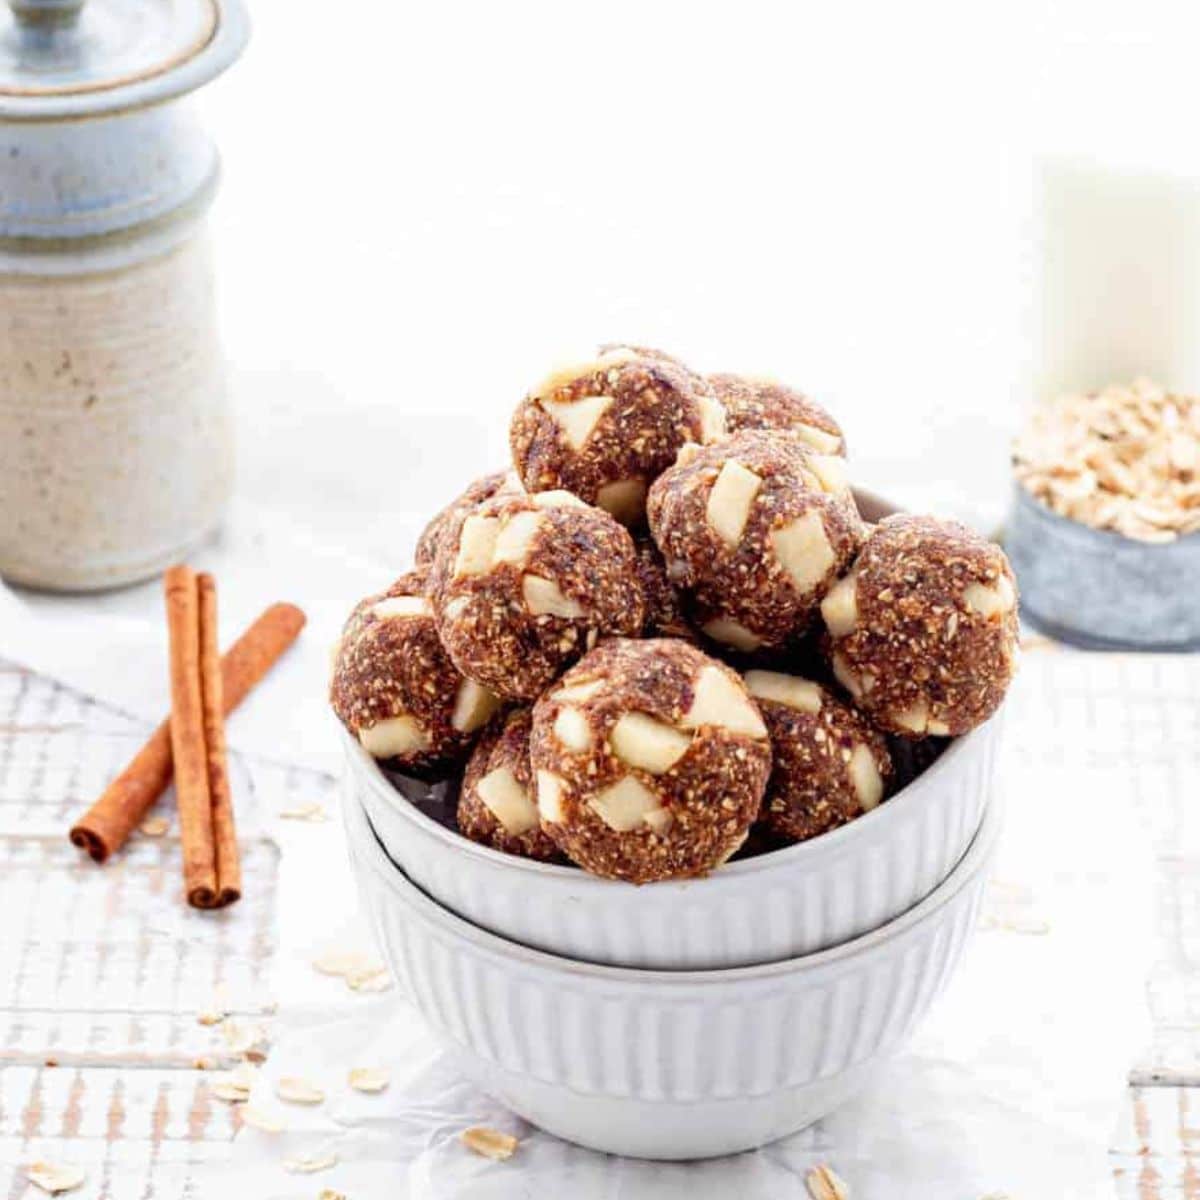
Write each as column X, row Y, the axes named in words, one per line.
column 505, row 953
column 835, row 842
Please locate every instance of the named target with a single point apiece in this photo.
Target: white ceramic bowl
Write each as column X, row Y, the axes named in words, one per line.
column 661, row 1064
column 780, row 905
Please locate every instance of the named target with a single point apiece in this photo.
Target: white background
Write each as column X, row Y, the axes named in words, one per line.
column 425, row 205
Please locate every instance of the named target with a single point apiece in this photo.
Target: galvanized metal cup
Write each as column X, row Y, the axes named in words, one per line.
column 1102, row 590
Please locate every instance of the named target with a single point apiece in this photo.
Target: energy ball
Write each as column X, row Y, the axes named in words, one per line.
column 650, row 761
column 394, row 687
column 664, row 610
column 756, row 529
column 828, row 764
column 764, row 404
column 476, row 493
column 698, row 381
column 606, row 429
column 923, row 630
column 496, row 805
column 523, row 585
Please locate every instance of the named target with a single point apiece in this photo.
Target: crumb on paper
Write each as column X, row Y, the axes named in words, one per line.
column 824, row 1183
column 261, row 1119
column 369, row 1079
column 54, row 1178
column 298, row 1091
column 490, row 1143
column 343, row 963
column 242, row 1039
column 312, row 812
column 1011, row 908
column 377, row 980
column 154, row 826
column 1033, row 643
column 310, row 1164
column 1125, row 459
column 360, row 972
column 233, row 1086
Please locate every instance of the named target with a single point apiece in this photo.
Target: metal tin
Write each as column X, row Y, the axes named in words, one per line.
column 1099, row 589
column 116, row 452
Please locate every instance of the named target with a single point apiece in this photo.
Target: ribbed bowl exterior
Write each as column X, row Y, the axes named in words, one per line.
column 778, row 906
column 662, row 1064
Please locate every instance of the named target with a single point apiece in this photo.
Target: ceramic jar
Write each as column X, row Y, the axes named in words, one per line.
column 116, row 451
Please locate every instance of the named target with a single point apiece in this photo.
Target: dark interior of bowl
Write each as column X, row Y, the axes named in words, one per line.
column 438, row 799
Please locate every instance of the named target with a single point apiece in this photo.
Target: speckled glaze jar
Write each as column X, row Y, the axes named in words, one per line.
column 116, row 453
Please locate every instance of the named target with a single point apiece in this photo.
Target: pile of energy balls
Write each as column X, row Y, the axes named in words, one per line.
column 667, row 630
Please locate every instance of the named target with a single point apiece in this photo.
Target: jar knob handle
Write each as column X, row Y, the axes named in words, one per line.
column 46, row 14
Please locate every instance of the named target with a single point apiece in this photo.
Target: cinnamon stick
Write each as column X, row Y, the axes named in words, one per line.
column 224, row 834
column 106, row 826
column 187, row 738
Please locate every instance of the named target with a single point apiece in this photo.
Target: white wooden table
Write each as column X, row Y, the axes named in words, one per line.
column 103, row 973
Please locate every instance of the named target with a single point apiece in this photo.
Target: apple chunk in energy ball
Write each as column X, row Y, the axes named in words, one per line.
column 496, row 805
column 472, row 497
column 764, row 404
column 526, row 584
column 650, row 761
column 395, row 689
column 605, row 429
column 922, row 632
column 828, row 764
column 757, row 529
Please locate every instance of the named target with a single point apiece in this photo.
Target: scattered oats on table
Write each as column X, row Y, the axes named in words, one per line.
column 310, row 1164
column 341, row 963
column 824, row 1183
column 369, row 981
column 55, row 1178
column 234, row 1086
column 298, row 1091
column 242, row 1038
column 1126, row 459
column 369, row 1079
column 489, row 1143
column 261, row 1119
column 311, row 811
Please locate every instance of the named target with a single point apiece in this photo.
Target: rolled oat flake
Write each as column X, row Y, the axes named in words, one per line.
column 115, row 446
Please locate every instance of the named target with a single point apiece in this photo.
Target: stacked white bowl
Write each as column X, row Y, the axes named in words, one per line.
column 681, row 1019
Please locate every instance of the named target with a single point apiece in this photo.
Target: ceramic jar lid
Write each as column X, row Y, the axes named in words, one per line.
column 73, row 58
